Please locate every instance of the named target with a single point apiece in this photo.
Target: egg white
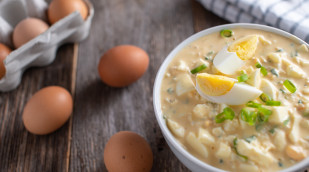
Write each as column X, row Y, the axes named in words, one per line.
column 239, row 94
column 227, row 62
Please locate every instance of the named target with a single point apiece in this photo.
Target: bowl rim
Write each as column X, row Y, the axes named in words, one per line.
column 160, row 74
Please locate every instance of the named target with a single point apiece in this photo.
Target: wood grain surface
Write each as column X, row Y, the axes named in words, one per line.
column 19, row 149
column 99, row 110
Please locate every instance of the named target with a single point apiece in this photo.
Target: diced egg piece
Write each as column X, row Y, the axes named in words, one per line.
column 177, row 129
column 222, row 89
column 231, row 59
column 279, row 114
column 268, row 88
column 227, row 62
column 255, row 78
column 184, row 84
column 303, row 48
column 295, row 71
column 254, row 153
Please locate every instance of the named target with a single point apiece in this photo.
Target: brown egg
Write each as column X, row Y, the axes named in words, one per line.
column 4, row 51
column 122, row 65
column 127, row 151
column 59, row 9
column 47, row 110
column 28, row 29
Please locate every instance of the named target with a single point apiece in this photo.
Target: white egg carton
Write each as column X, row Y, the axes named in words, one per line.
column 40, row 51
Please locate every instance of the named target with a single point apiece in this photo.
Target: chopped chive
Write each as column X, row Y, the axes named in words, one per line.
column 289, row 85
column 274, row 72
column 280, row 164
column 258, row 126
column 273, row 103
column 282, row 90
column 221, row 161
column 235, row 141
column 227, row 113
column 198, row 69
column 226, row 33
column 258, row 65
column 294, row 53
column 235, row 148
column 250, row 139
column 243, row 77
column 170, row 90
column 209, row 55
column 264, row 97
column 272, row 131
column 300, row 102
column 264, row 71
column 285, row 122
column 280, row 50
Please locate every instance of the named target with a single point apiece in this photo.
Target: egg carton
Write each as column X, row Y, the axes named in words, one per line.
column 40, row 51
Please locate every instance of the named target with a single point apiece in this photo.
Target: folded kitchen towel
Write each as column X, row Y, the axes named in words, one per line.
column 289, row 15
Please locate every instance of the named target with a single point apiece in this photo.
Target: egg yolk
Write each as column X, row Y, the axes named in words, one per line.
column 245, row 47
column 214, row 85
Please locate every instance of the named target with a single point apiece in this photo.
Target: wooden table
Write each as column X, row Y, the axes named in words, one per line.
column 100, row 111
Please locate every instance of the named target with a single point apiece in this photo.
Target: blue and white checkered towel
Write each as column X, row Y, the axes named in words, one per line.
column 289, row 15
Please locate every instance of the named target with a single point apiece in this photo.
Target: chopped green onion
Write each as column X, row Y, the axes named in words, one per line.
column 258, row 126
column 285, row 122
column 280, row 164
column 300, row 102
column 226, row 33
column 235, row 141
column 282, row 90
column 248, row 116
column 243, row 77
column 263, row 114
column 274, row 72
column 198, row 69
column 273, row 103
column 235, row 148
column 208, row 56
column 264, row 97
column 221, row 161
column 264, row 111
column 227, row 113
column 250, row 139
column 280, row 50
column 258, row 65
column 264, row 71
column 289, row 85
column 253, row 104
column 272, row 131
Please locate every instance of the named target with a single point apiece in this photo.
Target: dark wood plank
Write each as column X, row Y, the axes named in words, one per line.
column 203, row 18
column 21, row 150
column 101, row 111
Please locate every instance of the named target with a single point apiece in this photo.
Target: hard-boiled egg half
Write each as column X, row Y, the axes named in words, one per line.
column 222, row 89
column 231, row 58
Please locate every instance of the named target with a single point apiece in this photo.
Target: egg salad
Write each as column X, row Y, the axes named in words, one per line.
column 239, row 100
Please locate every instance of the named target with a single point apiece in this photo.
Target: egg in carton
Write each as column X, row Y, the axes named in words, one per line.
column 40, row 51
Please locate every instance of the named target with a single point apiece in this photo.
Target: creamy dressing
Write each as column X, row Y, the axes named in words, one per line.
column 275, row 145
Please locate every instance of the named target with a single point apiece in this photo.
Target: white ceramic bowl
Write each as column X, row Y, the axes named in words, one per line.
column 183, row 155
